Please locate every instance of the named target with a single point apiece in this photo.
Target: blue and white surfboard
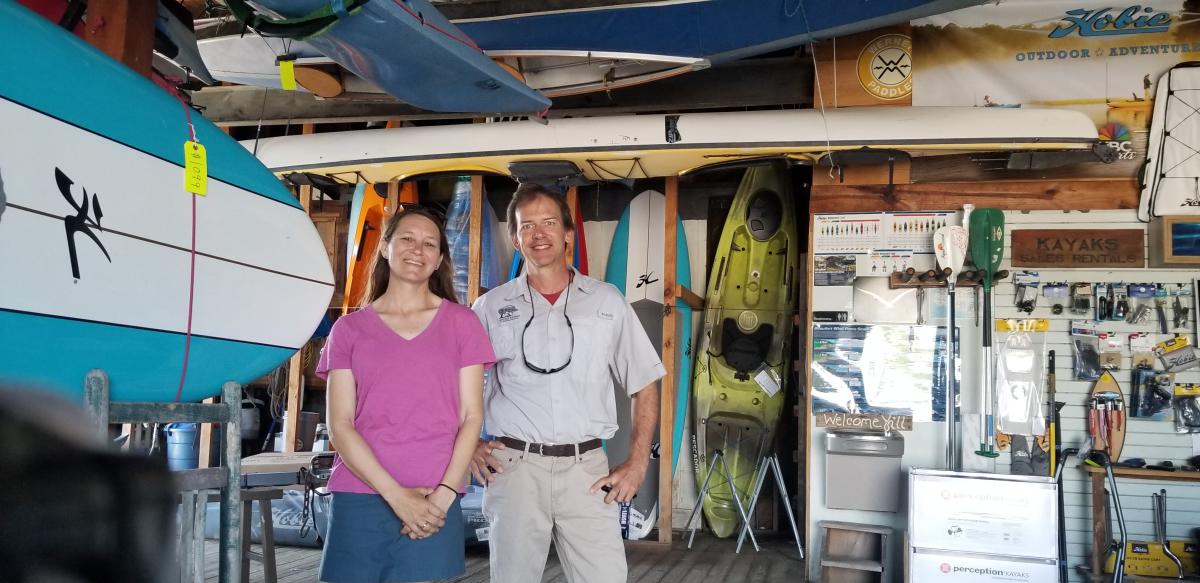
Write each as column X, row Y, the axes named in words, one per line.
column 96, row 233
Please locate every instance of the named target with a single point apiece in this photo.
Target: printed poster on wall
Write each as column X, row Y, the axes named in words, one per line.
column 879, row 369
column 1099, row 58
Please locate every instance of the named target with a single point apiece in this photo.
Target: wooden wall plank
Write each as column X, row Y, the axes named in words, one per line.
column 1009, row 195
column 572, row 203
column 666, row 425
column 123, row 30
column 838, row 69
column 475, row 239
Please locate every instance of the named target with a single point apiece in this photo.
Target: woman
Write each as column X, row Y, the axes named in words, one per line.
column 405, row 397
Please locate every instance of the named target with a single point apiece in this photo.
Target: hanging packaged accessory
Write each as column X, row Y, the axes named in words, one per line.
column 1103, row 304
column 1187, row 408
column 1141, row 299
column 1057, row 294
column 1176, row 354
column 1178, row 307
column 1081, row 298
column 1110, row 350
column 1151, row 395
column 1019, row 380
column 1121, row 310
column 1086, row 353
column 1027, row 291
column 1160, row 307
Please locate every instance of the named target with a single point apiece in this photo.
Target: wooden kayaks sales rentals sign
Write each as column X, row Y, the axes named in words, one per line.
column 1078, row 248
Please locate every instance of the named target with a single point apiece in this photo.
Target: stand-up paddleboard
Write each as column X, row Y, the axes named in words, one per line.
column 635, row 266
column 640, row 146
column 96, row 234
column 458, row 235
column 415, row 54
column 367, row 217
column 747, row 327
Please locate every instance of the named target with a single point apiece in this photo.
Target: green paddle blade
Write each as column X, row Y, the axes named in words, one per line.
column 987, row 242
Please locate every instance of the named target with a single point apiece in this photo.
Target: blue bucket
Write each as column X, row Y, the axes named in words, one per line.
column 183, row 446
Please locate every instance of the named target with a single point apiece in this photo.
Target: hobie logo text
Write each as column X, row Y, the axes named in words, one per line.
column 1101, row 22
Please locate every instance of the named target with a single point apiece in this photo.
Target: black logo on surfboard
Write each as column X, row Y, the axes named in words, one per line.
column 85, row 218
column 645, row 280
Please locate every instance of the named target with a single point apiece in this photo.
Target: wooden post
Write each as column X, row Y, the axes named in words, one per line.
column 393, row 198
column 475, row 240
column 231, row 493
column 572, row 202
column 806, row 422
column 666, row 426
column 123, row 30
column 206, row 433
column 1100, row 539
column 295, row 376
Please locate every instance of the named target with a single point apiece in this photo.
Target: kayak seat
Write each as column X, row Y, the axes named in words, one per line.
column 745, row 351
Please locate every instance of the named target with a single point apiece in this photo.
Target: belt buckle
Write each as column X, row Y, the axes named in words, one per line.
column 541, row 448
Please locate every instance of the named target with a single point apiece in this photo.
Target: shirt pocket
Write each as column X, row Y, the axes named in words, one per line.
column 593, row 351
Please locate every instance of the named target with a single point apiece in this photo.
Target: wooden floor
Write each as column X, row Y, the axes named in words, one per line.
column 709, row 559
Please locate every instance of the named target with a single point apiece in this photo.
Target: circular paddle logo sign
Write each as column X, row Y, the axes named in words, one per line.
column 885, row 67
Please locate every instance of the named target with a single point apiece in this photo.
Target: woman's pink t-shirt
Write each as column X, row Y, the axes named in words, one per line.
column 408, row 400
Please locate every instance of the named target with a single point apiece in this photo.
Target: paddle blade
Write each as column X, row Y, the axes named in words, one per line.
column 950, row 248
column 987, row 242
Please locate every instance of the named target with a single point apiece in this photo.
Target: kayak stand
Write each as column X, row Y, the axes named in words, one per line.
column 770, row 463
column 717, row 455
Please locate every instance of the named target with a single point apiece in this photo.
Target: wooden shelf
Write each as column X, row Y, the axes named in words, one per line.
column 1144, row 474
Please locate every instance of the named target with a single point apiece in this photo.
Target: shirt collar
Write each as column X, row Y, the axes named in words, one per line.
column 581, row 282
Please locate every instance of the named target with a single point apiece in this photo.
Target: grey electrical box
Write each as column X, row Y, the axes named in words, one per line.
column 862, row 470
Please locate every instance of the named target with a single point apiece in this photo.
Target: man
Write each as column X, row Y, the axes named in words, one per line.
column 561, row 340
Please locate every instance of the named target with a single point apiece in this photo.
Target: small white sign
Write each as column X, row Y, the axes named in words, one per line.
column 483, row 534
column 767, row 381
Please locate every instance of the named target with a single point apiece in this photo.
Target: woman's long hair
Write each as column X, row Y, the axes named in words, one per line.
column 441, row 283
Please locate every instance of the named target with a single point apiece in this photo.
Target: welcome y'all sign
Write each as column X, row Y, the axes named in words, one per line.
column 1078, row 248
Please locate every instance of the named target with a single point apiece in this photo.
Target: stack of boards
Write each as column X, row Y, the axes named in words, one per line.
column 97, row 234
column 747, row 325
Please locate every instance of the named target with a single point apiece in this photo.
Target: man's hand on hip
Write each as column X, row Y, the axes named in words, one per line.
column 623, row 481
column 484, row 466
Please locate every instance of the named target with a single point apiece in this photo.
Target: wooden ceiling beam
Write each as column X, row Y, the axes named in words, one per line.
column 1007, row 194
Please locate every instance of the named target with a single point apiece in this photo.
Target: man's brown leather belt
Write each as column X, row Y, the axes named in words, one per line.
column 566, row 450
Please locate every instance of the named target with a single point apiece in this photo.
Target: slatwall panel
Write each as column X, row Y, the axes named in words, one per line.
column 1153, row 440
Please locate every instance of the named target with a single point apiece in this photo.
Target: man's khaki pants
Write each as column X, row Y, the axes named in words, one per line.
column 538, row 499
